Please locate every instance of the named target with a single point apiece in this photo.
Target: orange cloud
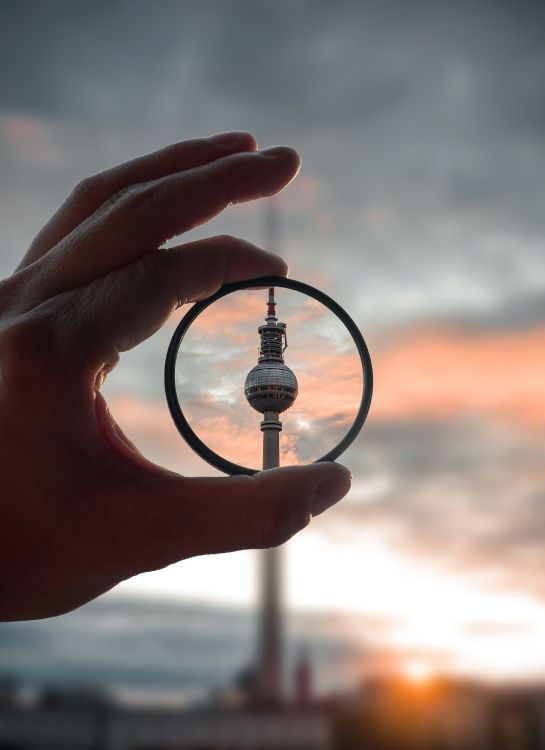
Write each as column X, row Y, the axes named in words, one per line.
column 302, row 195
column 429, row 374
column 149, row 426
column 310, row 310
column 230, row 319
column 444, row 373
column 230, row 439
column 330, row 386
column 29, row 136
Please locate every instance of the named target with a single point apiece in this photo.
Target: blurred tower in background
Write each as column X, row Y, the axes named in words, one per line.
column 303, row 680
column 270, row 388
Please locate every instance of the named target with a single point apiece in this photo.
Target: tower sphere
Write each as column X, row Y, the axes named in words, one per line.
column 270, row 386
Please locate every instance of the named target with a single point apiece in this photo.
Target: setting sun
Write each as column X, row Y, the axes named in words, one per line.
column 418, row 672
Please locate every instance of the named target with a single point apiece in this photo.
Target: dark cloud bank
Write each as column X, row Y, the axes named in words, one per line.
column 423, row 124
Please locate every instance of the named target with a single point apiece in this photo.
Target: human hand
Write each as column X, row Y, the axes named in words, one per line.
column 81, row 509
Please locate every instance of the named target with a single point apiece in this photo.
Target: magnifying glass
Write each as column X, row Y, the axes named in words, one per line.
column 272, row 347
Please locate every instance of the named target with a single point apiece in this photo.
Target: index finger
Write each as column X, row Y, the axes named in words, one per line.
column 92, row 191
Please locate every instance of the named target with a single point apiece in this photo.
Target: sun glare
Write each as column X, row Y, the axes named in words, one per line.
column 418, row 672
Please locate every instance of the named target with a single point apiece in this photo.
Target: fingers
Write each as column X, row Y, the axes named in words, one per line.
column 124, row 308
column 91, row 193
column 144, row 216
column 169, row 518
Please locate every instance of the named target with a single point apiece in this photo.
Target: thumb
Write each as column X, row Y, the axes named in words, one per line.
column 170, row 518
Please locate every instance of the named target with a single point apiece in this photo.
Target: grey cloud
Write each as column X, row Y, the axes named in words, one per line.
column 461, row 496
column 430, row 114
column 516, row 312
column 144, row 646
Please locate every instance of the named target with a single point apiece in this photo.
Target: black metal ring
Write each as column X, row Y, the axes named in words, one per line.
column 181, row 422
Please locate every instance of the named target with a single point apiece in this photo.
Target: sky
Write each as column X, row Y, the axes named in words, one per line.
column 419, row 207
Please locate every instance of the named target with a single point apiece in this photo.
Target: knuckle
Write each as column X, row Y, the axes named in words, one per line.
column 168, row 265
column 44, row 339
column 11, row 291
column 137, row 205
column 25, row 334
column 283, row 522
column 216, row 181
column 273, row 536
column 87, row 190
column 159, row 261
column 224, row 185
column 26, row 348
column 153, row 538
column 133, row 198
column 164, row 266
column 226, row 239
column 76, row 332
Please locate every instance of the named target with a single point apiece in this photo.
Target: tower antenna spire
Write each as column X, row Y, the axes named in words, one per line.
column 271, row 305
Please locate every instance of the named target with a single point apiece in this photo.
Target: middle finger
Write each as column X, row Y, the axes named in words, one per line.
column 142, row 217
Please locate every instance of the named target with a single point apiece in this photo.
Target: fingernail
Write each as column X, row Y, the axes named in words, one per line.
column 278, row 260
column 331, row 490
column 283, row 153
column 230, row 138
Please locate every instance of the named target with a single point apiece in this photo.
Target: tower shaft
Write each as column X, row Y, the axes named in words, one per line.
column 271, row 427
column 269, row 667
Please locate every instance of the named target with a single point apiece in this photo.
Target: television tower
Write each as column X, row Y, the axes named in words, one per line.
column 270, row 388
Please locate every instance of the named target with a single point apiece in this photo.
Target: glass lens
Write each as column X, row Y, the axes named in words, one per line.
column 269, row 355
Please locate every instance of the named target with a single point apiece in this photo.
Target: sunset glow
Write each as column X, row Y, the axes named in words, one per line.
column 418, row 672
column 463, row 624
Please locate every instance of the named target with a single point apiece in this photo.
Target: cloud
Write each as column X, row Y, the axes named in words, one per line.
column 461, row 496
column 148, row 424
column 231, row 318
column 446, row 373
column 432, row 114
column 156, row 648
column 29, row 137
